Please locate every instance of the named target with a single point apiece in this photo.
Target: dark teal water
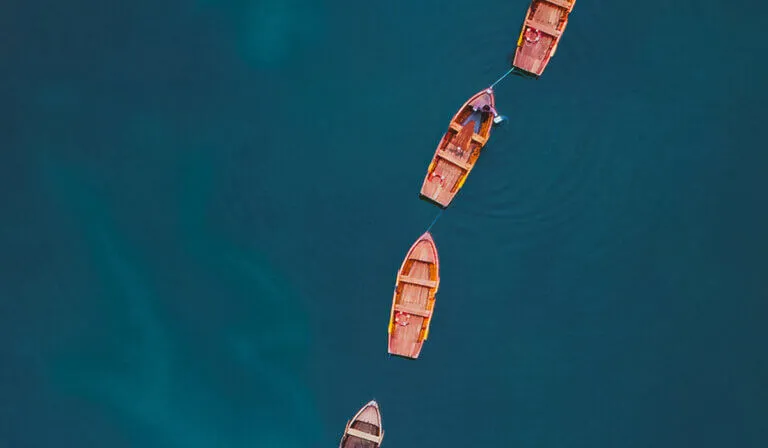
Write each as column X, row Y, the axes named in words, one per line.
column 204, row 205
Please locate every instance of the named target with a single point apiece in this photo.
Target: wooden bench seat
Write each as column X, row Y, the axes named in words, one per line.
column 416, row 311
column 364, row 435
column 543, row 27
column 565, row 4
column 416, row 281
column 479, row 139
column 449, row 157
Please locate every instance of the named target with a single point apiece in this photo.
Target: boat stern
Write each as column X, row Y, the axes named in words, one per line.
column 427, row 194
column 404, row 349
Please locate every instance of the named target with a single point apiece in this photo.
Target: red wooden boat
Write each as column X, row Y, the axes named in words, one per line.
column 414, row 298
column 459, row 149
column 364, row 430
column 544, row 25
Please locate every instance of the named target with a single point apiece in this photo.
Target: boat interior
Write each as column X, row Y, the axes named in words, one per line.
column 417, row 296
column 483, row 120
column 356, row 442
column 549, row 14
column 477, row 116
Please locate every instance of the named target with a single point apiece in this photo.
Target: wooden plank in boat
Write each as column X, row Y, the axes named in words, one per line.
column 479, row 139
column 363, row 435
column 567, row 5
column 417, row 281
column 452, row 159
column 543, row 27
column 413, row 310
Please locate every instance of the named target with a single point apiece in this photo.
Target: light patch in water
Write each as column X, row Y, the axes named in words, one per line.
column 148, row 381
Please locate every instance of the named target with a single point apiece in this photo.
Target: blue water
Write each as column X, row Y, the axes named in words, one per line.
column 205, row 204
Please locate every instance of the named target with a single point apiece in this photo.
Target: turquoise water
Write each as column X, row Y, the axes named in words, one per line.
column 205, row 204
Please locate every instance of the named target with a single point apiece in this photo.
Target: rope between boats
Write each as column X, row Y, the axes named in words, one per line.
column 502, row 77
column 439, row 214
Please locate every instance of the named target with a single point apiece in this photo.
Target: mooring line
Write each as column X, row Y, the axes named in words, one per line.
column 502, row 77
column 439, row 214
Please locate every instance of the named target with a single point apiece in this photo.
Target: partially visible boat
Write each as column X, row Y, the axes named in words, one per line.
column 459, row 148
column 364, row 430
column 414, row 299
column 543, row 27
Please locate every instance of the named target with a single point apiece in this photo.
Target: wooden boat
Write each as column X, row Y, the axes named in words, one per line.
column 544, row 25
column 364, row 430
column 414, row 299
column 459, row 149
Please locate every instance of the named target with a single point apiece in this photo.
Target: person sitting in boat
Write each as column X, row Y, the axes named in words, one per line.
column 487, row 108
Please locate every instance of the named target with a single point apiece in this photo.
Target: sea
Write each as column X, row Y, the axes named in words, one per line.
column 205, row 203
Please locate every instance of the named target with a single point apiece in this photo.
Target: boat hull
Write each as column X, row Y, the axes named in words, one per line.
column 542, row 29
column 459, row 149
column 364, row 430
column 413, row 302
